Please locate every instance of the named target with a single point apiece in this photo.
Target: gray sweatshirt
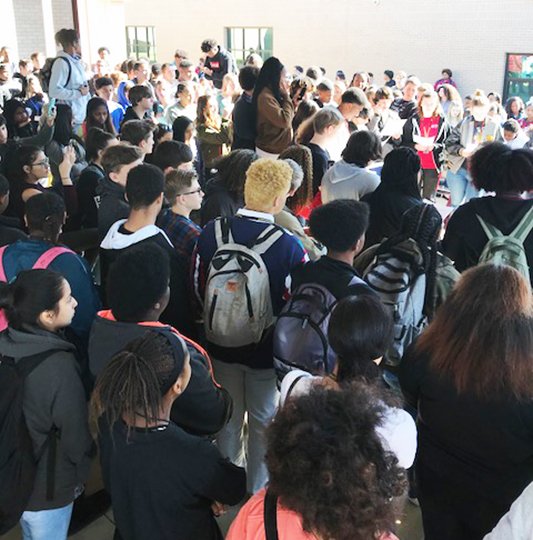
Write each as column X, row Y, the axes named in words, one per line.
column 347, row 181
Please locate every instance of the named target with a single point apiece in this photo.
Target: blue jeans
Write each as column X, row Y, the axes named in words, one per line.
column 46, row 524
column 461, row 187
column 253, row 392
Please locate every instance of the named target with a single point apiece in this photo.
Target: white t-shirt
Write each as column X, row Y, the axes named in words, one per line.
column 397, row 433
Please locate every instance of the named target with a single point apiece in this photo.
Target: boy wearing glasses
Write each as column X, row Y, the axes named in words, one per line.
column 184, row 194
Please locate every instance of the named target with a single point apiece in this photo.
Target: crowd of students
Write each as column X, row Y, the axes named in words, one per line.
column 231, row 285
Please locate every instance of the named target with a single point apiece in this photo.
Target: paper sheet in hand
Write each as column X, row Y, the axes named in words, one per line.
column 423, row 141
column 394, row 126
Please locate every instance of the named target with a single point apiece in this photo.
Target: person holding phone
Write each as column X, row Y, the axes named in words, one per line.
column 274, row 109
column 68, row 81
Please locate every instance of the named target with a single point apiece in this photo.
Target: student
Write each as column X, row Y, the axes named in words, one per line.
column 218, row 62
column 144, row 191
column 246, row 371
column 333, row 435
column 508, row 173
column 105, row 89
column 349, row 178
column 388, row 77
column 243, row 116
column 462, row 142
column 353, row 101
column 274, row 109
column 340, row 226
column 325, row 122
column 38, row 305
column 18, row 121
column 117, row 162
column 142, row 102
column 360, row 331
column 383, row 115
column 468, row 375
column 140, row 133
column 30, row 165
column 397, row 192
column 513, row 135
column 446, row 79
column 97, row 141
column 184, row 105
column 426, row 131
column 514, row 107
column 405, row 106
column 227, row 94
column 224, row 193
column 10, row 227
column 173, row 155
column 142, row 449
column 214, row 133
column 184, row 194
column 185, row 70
column 324, row 91
column 65, row 139
column 138, row 293
column 68, row 81
column 44, row 217
column 299, row 197
column 98, row 116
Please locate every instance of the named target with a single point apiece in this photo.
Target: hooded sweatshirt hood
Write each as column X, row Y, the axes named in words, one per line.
column 19, row 344
column 114, row 239
column 342, row 171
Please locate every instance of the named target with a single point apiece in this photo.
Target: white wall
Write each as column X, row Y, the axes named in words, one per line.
column 419, row 36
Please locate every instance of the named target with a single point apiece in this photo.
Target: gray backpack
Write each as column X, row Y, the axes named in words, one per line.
column 509, row 250
column 398, row 279
column 237, row 304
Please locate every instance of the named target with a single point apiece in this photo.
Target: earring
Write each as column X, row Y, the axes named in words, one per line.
column 157, row 305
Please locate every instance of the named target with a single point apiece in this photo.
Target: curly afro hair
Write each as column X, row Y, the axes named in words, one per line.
column 327, row 462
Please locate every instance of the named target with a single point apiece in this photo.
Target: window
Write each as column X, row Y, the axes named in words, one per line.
column 518, row 76
column 140, row 42
column 245, row 41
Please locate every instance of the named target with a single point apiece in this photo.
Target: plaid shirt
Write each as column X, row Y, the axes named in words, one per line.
column 183, row 232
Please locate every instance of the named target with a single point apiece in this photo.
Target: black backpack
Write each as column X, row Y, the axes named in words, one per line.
column 45, row 72
column 301, row 332
column 18, row 463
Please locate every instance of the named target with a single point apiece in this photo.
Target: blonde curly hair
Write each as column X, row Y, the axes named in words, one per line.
column 266, row 179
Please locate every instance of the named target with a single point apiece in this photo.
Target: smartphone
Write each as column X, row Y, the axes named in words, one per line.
column 51, row 104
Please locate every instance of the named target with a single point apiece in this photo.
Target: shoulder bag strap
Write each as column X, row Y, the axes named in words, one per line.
column 46, row 259
column 3, row 276
column 267, row 239
column 524, row 227
column 271, row 516
column 490, row 230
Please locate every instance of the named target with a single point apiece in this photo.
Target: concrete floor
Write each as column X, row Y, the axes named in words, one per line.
column 103, row 528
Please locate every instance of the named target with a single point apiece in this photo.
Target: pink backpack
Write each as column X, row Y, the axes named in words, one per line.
column 42, row 262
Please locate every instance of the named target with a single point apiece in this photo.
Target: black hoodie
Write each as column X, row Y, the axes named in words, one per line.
column 113, row 205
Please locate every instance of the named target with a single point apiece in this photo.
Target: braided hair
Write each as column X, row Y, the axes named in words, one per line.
column 422, row 223
column 135, row 380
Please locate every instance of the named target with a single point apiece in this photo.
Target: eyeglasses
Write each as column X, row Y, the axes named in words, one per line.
column 41, row 163
column 199, row 190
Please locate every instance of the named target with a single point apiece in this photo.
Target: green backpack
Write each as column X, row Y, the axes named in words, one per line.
column 509, row 250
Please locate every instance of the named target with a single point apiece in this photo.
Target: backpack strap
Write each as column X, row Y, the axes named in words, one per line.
column 524, row 227
column 3, row 276
column 490, row 230
column 69, row 68
column 267, row 239
column 48, row 257
column 270, row 516
column 223, row 232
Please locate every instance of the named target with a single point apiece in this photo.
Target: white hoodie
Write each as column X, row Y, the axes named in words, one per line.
column 347, row 181
column 114, row 239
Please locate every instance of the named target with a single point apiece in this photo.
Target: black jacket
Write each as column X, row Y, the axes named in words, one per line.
column 204, row 407
column 218, row 202
column 483, row 445
column 465, row 239
column 113, row 205
column 53, row 397
column 222, row 63
column 88, row 200
column 243, row 124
